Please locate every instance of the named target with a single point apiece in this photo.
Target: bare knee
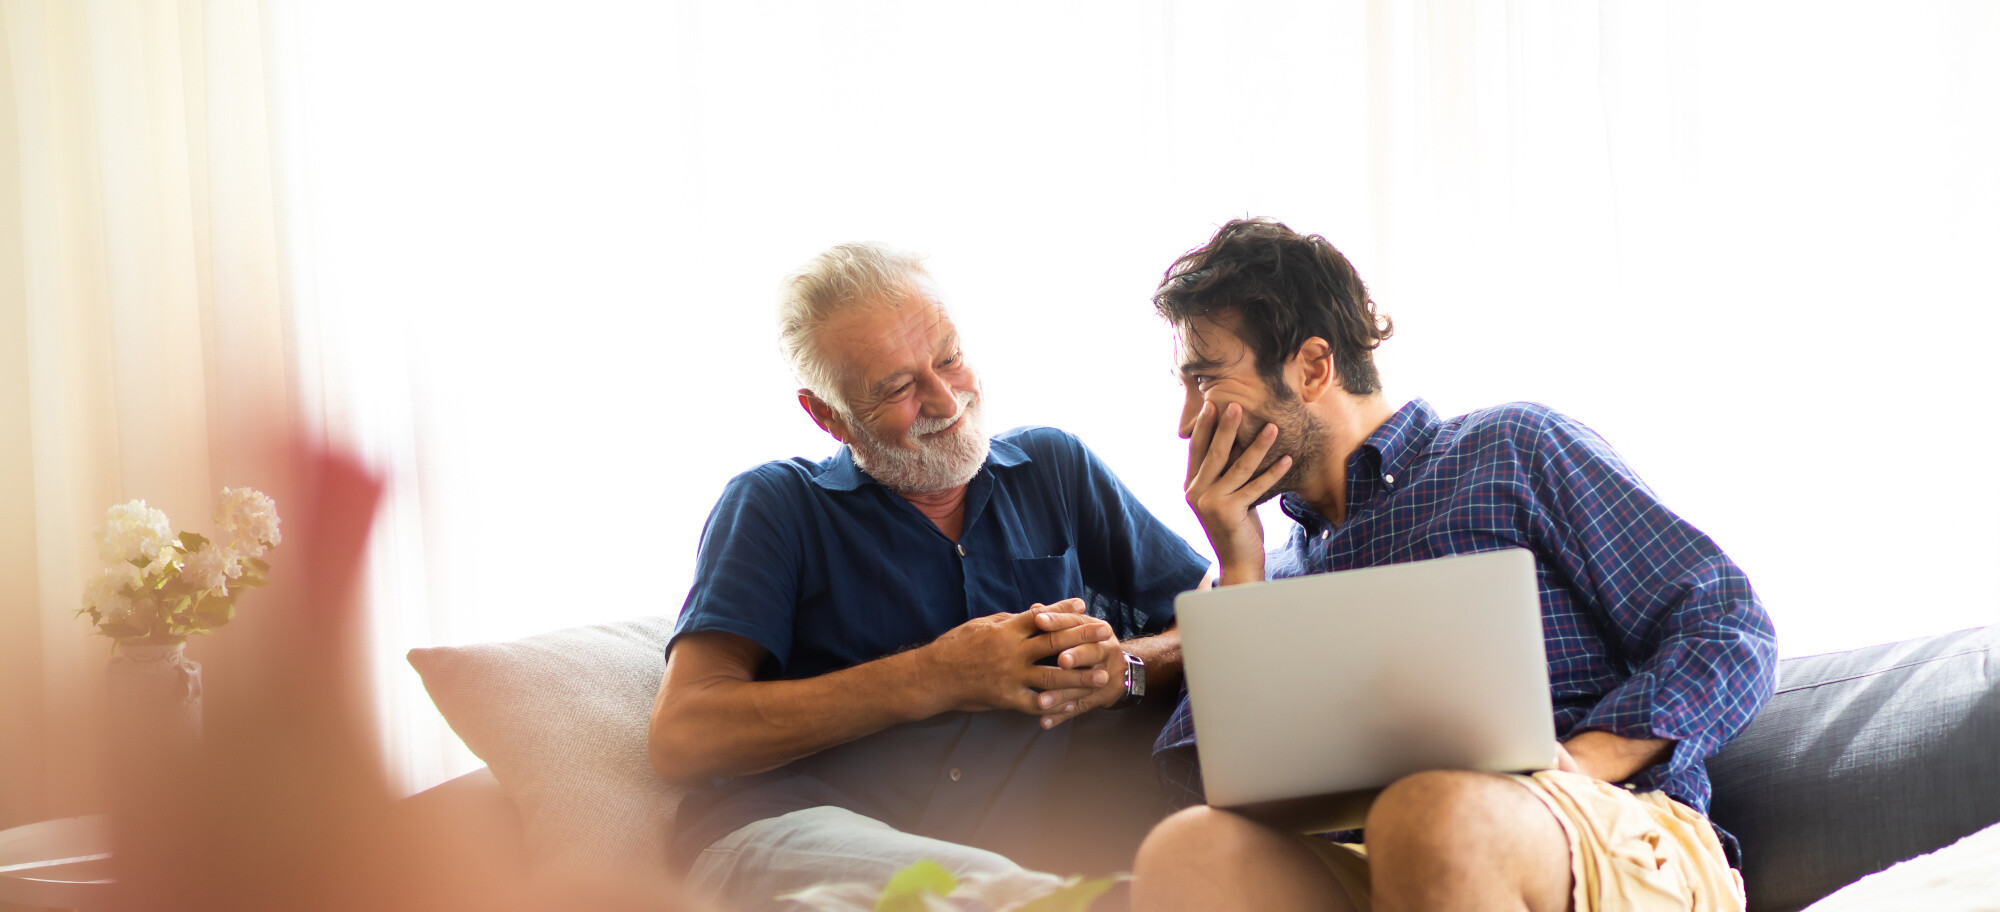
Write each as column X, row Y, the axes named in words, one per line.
column 1446, row 808
column 1459, row 834
column 1203, row 858
column 1194, row 835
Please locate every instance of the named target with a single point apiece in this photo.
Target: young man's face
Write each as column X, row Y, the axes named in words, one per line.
column 1218, row 369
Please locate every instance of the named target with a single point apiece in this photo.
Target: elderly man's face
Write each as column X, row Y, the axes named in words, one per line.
column 912, row 402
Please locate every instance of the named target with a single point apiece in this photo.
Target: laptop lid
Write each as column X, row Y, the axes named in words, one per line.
column 1312, row 694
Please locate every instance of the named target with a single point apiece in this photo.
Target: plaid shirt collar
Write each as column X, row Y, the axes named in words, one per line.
column 1389, row 458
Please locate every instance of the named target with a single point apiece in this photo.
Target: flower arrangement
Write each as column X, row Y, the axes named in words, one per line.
column 161, row 588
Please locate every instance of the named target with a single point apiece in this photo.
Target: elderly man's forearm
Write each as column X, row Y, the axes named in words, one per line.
column 739, row 728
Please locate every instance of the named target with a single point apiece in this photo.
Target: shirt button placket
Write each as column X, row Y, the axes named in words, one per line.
column 965, row 580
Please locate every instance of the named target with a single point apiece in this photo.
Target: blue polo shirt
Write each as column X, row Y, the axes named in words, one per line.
column 825, row 569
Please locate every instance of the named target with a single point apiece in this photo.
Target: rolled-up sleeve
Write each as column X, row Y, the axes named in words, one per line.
column 1702, row 652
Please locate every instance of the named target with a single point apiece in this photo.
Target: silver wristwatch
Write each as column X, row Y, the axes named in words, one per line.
column 1135, row 683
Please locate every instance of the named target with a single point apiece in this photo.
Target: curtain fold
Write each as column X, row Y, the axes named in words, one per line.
column 142, row 328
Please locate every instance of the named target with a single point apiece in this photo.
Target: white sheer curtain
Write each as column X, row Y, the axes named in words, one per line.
column 1746, row 241
column 143, row 335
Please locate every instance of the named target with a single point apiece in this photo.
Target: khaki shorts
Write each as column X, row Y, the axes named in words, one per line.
column 1627, row 850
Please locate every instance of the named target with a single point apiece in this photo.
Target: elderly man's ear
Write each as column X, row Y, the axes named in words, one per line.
column 823, row 415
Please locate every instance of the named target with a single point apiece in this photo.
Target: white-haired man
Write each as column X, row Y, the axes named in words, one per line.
column 861, row 652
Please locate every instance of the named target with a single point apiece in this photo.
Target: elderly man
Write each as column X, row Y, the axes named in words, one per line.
column 1658, row 650
column 880, row 648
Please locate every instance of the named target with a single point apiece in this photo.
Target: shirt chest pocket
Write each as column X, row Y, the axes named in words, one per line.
column 1047, row 579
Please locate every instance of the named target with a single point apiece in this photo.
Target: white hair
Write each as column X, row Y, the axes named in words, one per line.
column 829, row 285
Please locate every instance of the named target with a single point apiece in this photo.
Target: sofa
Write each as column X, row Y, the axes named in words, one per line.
column 1861, row 760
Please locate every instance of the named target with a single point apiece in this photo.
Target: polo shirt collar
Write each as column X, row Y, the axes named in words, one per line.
column 841, row 474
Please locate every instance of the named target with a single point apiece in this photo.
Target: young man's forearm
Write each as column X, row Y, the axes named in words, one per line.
column 1614, row 758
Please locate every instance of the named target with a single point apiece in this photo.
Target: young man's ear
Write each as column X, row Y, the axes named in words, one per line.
column 1313, row 364
column 823, row 415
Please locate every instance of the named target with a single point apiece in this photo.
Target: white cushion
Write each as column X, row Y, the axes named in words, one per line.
column 560, row 719
column 1961, row 877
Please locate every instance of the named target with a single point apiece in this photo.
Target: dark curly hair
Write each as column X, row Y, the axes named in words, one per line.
column 1283, row 288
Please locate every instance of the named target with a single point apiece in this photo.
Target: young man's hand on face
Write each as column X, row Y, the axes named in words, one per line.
column 1224, row 494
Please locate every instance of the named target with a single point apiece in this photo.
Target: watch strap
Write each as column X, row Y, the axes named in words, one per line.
column 1135, row 683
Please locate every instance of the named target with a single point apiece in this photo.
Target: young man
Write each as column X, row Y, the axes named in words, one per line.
column 859, row 652
column 1658, row 650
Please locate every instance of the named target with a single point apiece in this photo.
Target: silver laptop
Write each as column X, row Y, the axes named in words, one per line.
column 1313, row 694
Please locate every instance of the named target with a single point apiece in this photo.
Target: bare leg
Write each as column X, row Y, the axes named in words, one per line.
column 1462, row 841
column 1205, row 859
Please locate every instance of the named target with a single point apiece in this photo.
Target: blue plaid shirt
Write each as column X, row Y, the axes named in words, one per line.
column 1651, row 631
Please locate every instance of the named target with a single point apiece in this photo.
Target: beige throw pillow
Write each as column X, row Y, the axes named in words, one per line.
column 560, row 719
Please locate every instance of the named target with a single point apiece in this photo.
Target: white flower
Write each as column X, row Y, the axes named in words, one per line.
column 212, row 568
column 169, row 556
column 120, row 610
column 250, row 519
column 133, row 530
column 110, row 591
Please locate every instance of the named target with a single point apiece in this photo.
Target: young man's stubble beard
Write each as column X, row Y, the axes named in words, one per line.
column 1300, row 435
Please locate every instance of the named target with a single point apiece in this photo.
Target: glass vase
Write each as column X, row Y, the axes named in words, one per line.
column 156, row 686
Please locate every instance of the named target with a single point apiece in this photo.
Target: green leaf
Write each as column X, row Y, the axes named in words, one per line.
column 257, row 565
column 215, row 613
column 249, row 582
column 192, row 542
column 906, row 888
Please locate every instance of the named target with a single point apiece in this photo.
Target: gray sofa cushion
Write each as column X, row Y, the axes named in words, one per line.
column 561, row 718
column 1860, row 760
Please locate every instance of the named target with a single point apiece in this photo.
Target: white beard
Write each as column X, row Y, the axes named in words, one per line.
column 938, row 463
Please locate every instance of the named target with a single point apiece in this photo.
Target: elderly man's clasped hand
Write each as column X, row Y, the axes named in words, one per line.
column 1082, row 642
column 994, row 662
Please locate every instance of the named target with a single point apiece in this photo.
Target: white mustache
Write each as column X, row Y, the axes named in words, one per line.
column 933, row 425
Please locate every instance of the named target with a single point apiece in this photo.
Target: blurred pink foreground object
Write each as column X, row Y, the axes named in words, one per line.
column 283, row 804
